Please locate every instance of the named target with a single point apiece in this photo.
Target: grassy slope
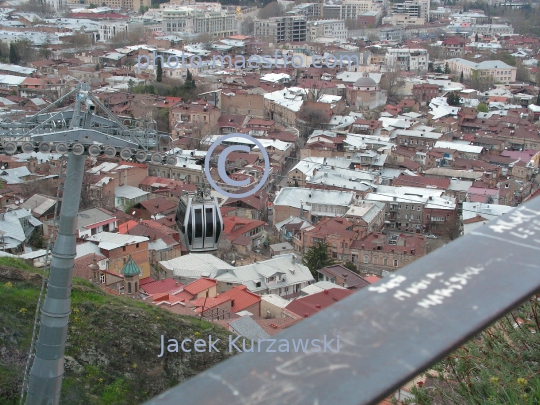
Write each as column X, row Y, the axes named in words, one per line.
column 114, row 343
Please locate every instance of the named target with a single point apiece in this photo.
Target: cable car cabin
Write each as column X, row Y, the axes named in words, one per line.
column 200, row 223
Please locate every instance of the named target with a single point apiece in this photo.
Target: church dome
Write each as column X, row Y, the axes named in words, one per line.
column 365, row 82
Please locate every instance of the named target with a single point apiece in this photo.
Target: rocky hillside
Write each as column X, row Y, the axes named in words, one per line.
column 113, row 343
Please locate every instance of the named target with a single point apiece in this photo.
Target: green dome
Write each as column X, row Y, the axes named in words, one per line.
column 130, row 269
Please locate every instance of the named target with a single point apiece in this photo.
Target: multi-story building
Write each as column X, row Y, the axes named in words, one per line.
column 125, row 4
column 417, row 209
column 394, row 34
column 109, row 29
column 309, row 204
column 378, row 252
column 189, row 21
column 326, row 28
column 404, row 20
column 408, row 59
column 282, row 29
column 454, row 47
column 425, row 92
column 493, row 29
column 118, row 249
column 310, row 10
column 242, row 102
column 337, row 232
column 496, row 69
column 351, row 9
column 410, row 8
column 283, row 106
column 331, row 11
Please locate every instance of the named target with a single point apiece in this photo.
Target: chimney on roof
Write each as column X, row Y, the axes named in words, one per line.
column 326, row 292
column 318, row 306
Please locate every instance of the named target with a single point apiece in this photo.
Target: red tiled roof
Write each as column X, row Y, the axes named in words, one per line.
column 307, row 306
column 126, row 226
column 158, row 205
column 183, row 296
column 419, row 181
column 146, row 280
column 234, row 227
column 200, row 285
column 168, row 285
column 371, row 279
column 241, row 297
column 208, row 303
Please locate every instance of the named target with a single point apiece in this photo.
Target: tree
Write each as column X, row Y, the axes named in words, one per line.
column 162, row 120
column 446, row 69
column 44, row 51
column 498, row 366
column 159, row 71
column 476, row 38
column 317, row 257
column 351, row 266
column 391, row 81
column 538, row 99
column 461, row 78
column 438, row 69
column 273, row 9
column 131, row 85
column 13, row 56
column 247, row 26
column 478, row 82
column 522, row 73
column 482, row 107
column 80, row 40
column 453, row 99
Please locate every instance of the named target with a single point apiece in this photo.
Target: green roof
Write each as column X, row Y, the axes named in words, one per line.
column 130, row 269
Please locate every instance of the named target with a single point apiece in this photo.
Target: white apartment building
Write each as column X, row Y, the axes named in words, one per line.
column 108, row 29
column 498, row 70
column 189, row 21
column 350, row 9
column 327, row 28
column 417, row 8
column 407, row 59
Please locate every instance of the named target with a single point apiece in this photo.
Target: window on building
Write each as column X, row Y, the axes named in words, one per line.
column 366, row 259
column 102, row 279
column 395, row 262
column 385, row 261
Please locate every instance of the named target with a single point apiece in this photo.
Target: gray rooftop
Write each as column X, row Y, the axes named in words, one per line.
column 248, row 328
column 292, row 197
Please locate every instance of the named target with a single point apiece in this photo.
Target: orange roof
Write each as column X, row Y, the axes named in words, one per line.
column 127, row 226
column 200, row 285
column 183, row 296
column 241, row 297
column 208, row 303
column 371, row 279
